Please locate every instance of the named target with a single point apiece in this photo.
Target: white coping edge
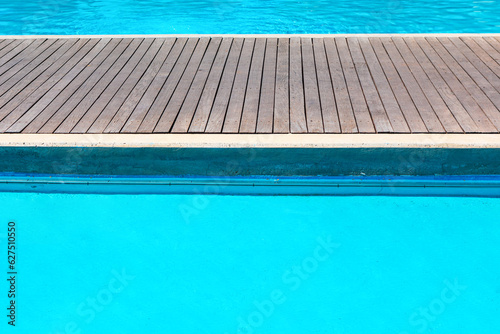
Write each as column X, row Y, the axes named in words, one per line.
column 252, row 35
column 253, row 140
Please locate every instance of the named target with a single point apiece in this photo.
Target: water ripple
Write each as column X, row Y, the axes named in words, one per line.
column 247, row 16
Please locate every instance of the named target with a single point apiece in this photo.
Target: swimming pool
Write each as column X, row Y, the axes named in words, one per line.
column 34, row 17
column 253, row 264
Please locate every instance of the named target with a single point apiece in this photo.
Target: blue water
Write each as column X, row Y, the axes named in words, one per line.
column 239, row 264
column 247, row 16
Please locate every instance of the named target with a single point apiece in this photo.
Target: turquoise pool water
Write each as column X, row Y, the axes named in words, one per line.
column 247, row 16
column 200, row 264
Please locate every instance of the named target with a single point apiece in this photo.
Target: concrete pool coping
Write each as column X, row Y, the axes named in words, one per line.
column 434, row 141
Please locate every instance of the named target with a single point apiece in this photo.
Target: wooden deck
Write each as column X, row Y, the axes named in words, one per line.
column 250, row 85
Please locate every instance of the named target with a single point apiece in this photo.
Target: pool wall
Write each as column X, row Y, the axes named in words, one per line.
column 249, row 161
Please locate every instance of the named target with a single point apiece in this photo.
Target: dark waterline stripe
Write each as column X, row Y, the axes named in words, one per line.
column 475, row 186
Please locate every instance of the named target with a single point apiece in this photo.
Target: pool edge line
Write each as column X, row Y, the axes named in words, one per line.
column 260, row 186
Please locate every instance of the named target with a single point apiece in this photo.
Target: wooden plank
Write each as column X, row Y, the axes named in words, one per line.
column 7, row 49
column 494, row 43
column 82, row 117
column 389, row 101
column 373, row 101
column 190, row 96
column 482, row 50
column 419, row 99
column 235, row 107
column 219, row 108
column 441, row 109
column 5, row 42
column 25, row 67
column 363, row 117
column 202, row 80
column 140, row 89
column 485, row 78
column 14, row 55
column 202, row 112
column 149, row 50
column 17, row 51
column 26, row 80
column 47, row 73
column 329, row 113
column 298, row 123
column 266, row 104
column 172, row 109
column 489, row 109
column 468, row 67
column 344, row 107
column 70, row 98
column 31, row 108
column 27, row 64
column 45, row 82
column 142, row 108
column 13, row 49
column 93, row 98
column 251, row 105
column 412, row 116
column 490, row 45
column 473, row 109
column 156, row 110
column 460, row 113
column 479, row 71
column 15, row 43
column 128, row 88
column 311, row 91
column 112, row 85
column 21, row 59
column 281, row 121
column 44, row 109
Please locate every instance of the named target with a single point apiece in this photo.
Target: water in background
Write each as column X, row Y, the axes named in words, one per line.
column 62, row 17
column 106, row 264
